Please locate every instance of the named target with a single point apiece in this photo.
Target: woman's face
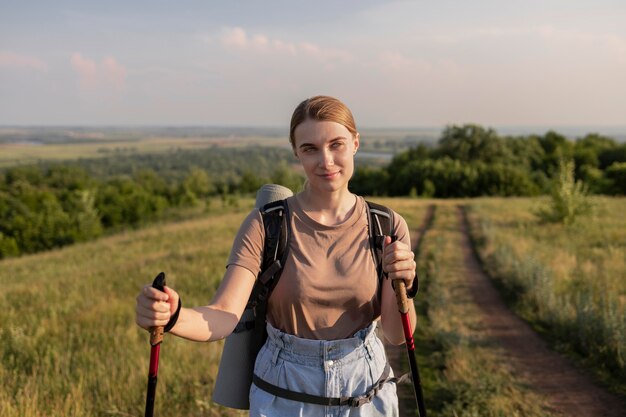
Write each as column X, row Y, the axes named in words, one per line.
column 326, row 151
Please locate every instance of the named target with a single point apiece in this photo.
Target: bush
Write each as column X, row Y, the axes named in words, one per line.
column 568, row 198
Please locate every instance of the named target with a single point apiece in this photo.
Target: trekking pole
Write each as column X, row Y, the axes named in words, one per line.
column 156, row 337
column 403, row 306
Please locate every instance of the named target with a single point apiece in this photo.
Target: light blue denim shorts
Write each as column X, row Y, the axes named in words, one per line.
column 328, row 368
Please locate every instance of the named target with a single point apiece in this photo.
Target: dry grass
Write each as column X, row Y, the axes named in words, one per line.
column 568, row 279
column 70, row 345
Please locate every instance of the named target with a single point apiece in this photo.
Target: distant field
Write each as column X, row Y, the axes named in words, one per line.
column 19, row 146
column 26, row 153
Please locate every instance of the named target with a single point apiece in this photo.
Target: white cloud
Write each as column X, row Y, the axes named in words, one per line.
column 9, row 59
column 86, row 69
column 237, row 39
column 108, row 74
column 114, row 73
column 612, row 42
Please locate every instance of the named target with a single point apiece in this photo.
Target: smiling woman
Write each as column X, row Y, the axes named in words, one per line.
column 325, row 149
column 322, row 354
column 324, row 138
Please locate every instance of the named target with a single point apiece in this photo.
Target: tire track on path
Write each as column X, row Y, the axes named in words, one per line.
column 567, row 390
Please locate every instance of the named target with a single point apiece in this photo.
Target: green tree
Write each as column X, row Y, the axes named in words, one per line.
column 250, row 182
column 556, row 148
column 195, row 187
column 616, row 173
column 473, row 143
column 287, row 177
column 121, row 201
column 369, row 181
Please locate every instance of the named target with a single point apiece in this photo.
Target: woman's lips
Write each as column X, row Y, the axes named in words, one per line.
column 329, row 175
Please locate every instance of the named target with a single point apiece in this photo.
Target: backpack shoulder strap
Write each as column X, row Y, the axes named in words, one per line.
column 380, row 221
column 277, row 227
column 277, row 230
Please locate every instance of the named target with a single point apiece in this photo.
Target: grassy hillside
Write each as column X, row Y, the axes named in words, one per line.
column 70, row 346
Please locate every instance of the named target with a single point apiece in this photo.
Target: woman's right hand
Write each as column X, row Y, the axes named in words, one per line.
column 154, row 308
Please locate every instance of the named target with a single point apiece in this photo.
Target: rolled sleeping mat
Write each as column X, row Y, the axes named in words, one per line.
column 234, row 376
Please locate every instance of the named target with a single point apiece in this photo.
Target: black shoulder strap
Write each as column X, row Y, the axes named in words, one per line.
column 275, row 222
column 380, row 220
column 276, row 226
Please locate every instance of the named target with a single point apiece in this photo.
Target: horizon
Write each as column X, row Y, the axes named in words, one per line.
column 617, row 133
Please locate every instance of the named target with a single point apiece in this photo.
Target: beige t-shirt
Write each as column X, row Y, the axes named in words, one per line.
column 328, row 289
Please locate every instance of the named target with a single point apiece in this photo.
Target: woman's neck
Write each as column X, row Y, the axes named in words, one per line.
column 327, row 208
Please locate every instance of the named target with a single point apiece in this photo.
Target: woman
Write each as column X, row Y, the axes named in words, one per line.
column 321, row 315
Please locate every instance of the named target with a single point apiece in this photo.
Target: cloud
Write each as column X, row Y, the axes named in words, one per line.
column 10, row 59
column 236, row 39
column 114, row 73
column 86, row 69
column 610, row 41
column 91, row 75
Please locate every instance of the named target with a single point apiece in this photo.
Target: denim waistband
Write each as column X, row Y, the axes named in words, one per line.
column 312, row 352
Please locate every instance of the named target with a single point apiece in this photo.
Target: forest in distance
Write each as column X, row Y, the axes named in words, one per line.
column 54, row 203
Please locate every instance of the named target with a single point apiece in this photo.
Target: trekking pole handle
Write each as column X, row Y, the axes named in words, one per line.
column 156, row 332
column 401, row 299
column 399, row 288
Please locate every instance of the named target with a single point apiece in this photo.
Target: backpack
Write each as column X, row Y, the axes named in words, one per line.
column 277, row 226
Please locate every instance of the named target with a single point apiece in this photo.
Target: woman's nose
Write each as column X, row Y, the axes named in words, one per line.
column 326, row 158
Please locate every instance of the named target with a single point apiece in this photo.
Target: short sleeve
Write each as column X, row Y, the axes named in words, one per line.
column 401, row 229
column 247, row 249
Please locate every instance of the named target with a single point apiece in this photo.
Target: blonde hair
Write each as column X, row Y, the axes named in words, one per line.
column 322, row 108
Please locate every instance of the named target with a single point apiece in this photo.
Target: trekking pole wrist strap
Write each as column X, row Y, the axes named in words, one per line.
column 170, row 324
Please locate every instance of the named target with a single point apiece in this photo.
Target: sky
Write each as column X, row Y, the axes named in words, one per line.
column 249, row 63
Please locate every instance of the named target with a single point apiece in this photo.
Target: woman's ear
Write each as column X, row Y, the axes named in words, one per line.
column 356, row 142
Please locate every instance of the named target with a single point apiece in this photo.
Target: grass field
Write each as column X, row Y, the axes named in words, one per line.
column 12, row 154
column 21, row 146
column 569, row 281
column 70, row 346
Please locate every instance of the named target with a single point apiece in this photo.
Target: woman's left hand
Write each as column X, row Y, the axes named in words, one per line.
column 399, row 261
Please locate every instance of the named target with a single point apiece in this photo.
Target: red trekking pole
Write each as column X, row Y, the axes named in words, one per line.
column 156, row 337
column 403, row 306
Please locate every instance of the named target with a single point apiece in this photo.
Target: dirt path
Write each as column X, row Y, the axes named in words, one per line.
column 567, row 390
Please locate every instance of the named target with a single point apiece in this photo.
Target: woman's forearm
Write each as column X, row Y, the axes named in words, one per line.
column 204, row 324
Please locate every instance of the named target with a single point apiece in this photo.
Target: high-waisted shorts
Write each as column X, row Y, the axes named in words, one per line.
column 327, row 368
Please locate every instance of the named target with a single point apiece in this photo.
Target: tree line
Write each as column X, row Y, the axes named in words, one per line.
column 50, row 205
column 55, row 204
column 471, row 161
